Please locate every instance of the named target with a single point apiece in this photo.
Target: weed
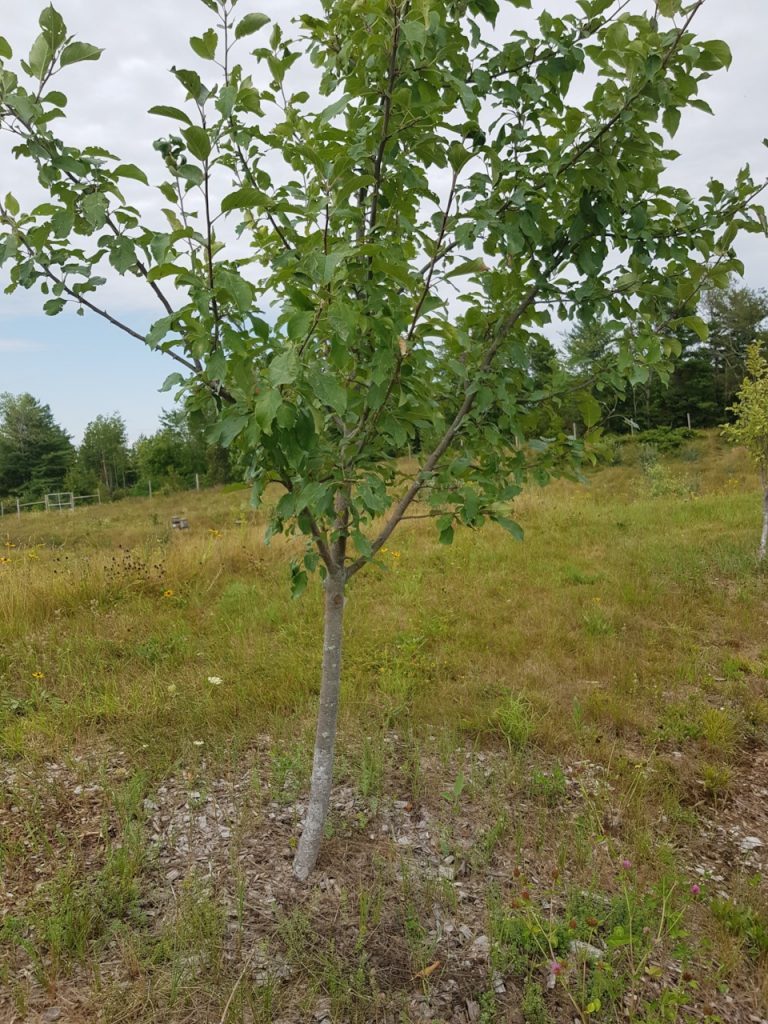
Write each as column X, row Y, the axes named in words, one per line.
column 749, row 925
column 514, row 720
column 549, row 787
column 717, row 780
column 533, row 1007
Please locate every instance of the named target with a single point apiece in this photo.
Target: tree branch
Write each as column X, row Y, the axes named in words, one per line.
column 507, row 325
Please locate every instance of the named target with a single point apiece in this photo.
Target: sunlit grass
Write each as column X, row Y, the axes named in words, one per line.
column 111, row 623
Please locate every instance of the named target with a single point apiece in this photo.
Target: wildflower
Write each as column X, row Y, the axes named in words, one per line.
column 215, row 680
column 9, row 545
column 38, row 675
column 214, row 533
column 626, row 864
column 197, row 743
column 172, row 689
column 167, row 593
column 555, row 967
column 395, row 554
column 695, row 889
column 4, row 560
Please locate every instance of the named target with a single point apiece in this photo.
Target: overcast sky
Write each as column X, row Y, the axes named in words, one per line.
column 82, row 367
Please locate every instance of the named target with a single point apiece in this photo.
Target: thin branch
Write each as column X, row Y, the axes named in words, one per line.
column 507, row 325
column 378, row 163
column 591, row 142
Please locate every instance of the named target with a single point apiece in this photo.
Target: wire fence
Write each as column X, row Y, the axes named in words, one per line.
column 59, row 501
column 55, row 502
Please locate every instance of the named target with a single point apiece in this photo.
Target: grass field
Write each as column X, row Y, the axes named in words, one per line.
column 551, row 794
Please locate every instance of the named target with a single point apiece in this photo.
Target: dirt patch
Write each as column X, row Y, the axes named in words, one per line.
column 425, row 906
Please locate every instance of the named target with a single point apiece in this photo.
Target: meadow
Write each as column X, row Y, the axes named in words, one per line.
column 551, row 792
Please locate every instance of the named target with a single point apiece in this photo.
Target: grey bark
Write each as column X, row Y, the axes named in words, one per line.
column 325, row 737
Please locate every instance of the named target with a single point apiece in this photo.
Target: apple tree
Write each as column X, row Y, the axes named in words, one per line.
column 365, row 227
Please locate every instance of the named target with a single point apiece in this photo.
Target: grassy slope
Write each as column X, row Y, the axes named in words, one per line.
column 628, row 626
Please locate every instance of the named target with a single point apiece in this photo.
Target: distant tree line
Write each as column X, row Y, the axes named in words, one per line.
column 37, row 456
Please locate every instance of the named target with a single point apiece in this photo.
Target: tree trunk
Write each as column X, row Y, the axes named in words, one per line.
column 325, row 738
column 764, row 537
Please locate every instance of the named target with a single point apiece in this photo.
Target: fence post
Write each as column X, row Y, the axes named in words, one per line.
column 18, row 508
column 150, row 489
column 689, row 420
column 197, row 481
column 72, row 500
column 98, row 494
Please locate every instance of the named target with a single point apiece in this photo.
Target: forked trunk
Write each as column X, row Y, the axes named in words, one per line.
column 764, row 537
column 322, row 765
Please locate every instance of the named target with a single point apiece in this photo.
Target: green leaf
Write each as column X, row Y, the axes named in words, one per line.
column 205, row 45
column 251, row 23
column 671, row 120
column 58, row 99
column 265, row 408
column 697, row 325
column 242, row 199
column 40, row 55
column 237, row 287
column 5, row 49
column 299, row 580
column 133, row 172
column 122, row 255
column 12, row 204
column 226, row 430
column 284, row 368
column 52, row 24
column 95, row 209
column 75, row 52
column 445, row 529
column 510, row 526
column 590, row 410
column 668, row 7
column 54, row 306
column 720, row 51
column 329, row 391
column 174, row 112
column 335, row 108
column 191, row 82
column 198, row 141
column 469, row 267
column 171, row 381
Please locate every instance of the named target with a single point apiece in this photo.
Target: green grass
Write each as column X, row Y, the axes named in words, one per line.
column 627, row 629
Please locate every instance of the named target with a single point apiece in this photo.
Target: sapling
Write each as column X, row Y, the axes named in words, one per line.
column 750, row 426
column 370, row 224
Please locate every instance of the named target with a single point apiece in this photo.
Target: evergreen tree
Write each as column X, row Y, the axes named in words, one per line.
column 35, row 452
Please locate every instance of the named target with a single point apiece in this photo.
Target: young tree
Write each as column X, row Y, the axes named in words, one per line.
column 412, row 197
column 750, row 426
column 35, row 452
